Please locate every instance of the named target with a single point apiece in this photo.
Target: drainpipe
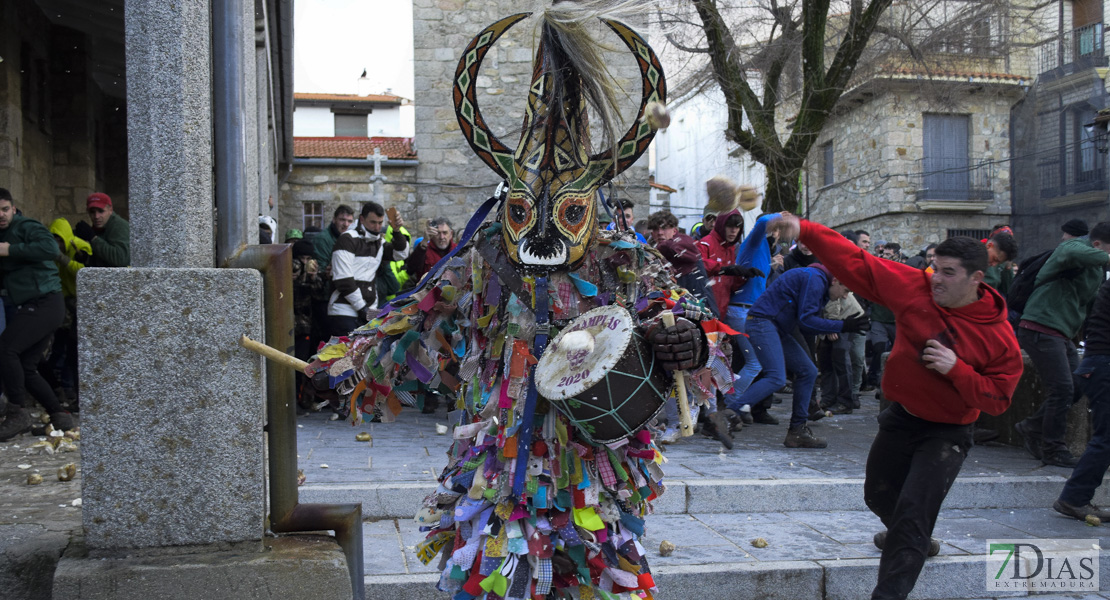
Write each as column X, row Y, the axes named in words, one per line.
column 274, row 262
column 232, row 232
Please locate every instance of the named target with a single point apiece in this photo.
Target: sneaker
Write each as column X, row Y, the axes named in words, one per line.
column 840, row 409
column 764, row 418
column 934, row 543
column 669, row 436
column 1031, row 439
column 1060, row 458
column 1081, row 512
column 719, row 426
column 746, row 417
column 17, row 422
column 802, row 437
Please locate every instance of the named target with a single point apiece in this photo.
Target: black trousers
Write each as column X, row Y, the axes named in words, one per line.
column 22, row 345
column 910, row 469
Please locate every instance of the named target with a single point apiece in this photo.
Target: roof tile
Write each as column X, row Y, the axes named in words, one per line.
column 352, row 147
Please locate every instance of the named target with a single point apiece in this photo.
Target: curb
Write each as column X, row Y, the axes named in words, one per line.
column 400, row 500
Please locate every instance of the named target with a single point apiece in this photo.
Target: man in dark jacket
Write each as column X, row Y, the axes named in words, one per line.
column 324, row 242
column 109, row 235
column 1094, row 379
column 1056, row 309
column 30, row 278
column 439, row 240
column 795, row 299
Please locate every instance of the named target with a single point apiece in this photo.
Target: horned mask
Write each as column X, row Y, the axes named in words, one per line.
column 550, row 214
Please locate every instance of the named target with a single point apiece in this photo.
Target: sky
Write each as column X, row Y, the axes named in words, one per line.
column 334, row 40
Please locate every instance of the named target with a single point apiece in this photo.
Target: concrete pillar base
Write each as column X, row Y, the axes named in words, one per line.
column 295, row 567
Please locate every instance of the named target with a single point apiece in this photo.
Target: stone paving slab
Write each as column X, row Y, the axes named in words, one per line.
column 814, row 554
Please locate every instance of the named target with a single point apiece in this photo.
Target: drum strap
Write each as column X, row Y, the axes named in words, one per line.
column 539, row 344
column 505, row 273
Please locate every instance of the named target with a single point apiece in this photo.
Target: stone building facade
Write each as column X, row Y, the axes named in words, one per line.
column 63, row 120
column 450, row 180
column 889, row 162
column 328, row 172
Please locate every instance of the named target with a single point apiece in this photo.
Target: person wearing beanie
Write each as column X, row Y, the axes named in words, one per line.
column 109, row 235
column 1074, row 228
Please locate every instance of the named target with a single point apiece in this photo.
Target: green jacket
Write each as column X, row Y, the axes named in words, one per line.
column 1065, row 286
column 29, row 271
column 112, row 247
column 999, row 277
column 323, row 245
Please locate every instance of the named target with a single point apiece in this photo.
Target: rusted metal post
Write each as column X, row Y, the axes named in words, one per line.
column 287, row 515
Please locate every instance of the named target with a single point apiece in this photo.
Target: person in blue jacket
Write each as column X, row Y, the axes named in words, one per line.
column 754, row 256
column 794, row 299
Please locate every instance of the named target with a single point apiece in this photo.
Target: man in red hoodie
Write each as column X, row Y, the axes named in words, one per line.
column 955, row 355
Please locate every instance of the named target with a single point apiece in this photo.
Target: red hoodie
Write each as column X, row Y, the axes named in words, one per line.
column 716, row 254
column 988, row 360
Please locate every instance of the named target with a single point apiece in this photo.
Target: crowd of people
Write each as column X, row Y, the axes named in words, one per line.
column 343, row 274
column 38, row 323
column 799, row 329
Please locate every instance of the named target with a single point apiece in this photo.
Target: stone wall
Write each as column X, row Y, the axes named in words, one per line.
column 878, row 147
column 352, row 186
column 453, row 182
column 70, row 140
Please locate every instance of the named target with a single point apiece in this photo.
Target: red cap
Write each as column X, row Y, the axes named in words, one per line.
column 98, row 200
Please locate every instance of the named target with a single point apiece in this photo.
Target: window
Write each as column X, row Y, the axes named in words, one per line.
column 978, row 234
column 828, row 173
column 945, row 168
column 350, row 125
column 313, row 215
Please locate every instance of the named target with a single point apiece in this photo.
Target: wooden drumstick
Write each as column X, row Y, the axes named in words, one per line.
column 273, row 354
column 686, row 426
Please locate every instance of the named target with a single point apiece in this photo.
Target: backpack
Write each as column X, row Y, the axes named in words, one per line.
column 1021, row 288
column 1025, row 282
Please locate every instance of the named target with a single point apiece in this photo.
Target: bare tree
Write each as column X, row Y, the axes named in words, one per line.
column 784, row 64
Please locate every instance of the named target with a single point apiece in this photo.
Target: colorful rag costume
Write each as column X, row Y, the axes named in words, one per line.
column 529, row 506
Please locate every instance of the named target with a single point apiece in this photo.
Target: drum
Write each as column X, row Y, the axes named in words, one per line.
column 602, row 375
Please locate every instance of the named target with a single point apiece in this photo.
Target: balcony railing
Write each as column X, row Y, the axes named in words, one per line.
column 954, row 179
column 1076, row 169
column 1081, row 47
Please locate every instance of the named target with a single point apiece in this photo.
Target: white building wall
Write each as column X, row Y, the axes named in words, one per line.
column 313, row 121
column 384, row 122
column 694, row 149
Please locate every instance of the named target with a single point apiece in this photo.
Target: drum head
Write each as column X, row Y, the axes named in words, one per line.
column 581, row 355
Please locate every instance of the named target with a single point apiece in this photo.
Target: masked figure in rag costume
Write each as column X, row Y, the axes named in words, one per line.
column 543, row 496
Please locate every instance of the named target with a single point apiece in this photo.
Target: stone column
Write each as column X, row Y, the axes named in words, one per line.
column 169, row 131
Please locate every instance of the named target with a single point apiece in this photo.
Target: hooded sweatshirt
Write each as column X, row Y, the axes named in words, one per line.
column 716, row 254
column 795, row 299
column 69, row 264
column 988, row 360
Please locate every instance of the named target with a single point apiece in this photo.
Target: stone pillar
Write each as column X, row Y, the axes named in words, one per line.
column 173, row 408
column 169, row 133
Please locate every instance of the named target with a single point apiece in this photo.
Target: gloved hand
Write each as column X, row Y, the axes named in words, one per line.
column 856, row 324
column 738, row 271
column 367, row 314
column 680, row 347
column 84, row 231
